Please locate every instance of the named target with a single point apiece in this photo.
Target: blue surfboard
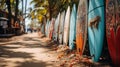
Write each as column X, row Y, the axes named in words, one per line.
column 72, row 32
column 96, row 28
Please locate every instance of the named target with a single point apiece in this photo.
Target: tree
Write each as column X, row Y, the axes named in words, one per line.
column 12, row 7
column 53, row 7
column 16, row 10
column 8, row 3
column 2, row 5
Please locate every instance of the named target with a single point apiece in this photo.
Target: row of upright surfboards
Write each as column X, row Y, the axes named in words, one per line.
column 90, row 22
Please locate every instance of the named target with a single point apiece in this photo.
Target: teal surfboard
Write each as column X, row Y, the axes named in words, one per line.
column 61, row 27
column 72, row 32
column 96, row 28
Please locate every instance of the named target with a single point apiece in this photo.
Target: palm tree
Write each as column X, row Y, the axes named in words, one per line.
column 2, row 5
column 22, row 6
column 25, row 13
column 23, row 22
column 53, row 7
column 16, row 10
column 9, row 12
column 25, row 6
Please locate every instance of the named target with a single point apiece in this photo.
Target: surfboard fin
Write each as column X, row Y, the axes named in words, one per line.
column 91, row 56
column 74, row 41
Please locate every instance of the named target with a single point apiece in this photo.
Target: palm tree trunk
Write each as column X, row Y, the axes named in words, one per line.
column 9, row 12
column 50, row 11
column 16, row 17
column 22, row 6
column 23, row 17
column 25, row 7
column 25, row 14
column 16, row 10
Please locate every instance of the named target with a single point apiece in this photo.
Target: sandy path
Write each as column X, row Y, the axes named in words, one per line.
column 26, row 51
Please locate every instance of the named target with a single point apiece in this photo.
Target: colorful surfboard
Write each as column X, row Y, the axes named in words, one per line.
column 61, row 27
column 66, row 26
column 56, row 25
column 96, row 28
column 81, row 26
column 72, row 32
column 113, row 30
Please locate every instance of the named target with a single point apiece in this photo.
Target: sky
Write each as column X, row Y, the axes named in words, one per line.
column 27, row 20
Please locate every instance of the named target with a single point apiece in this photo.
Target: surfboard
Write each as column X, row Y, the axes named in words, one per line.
column 56, row 25
column 96, row 26
column 46, row 28
column 66, row 27
column 51, row 28
column 72, row 32
column 61, row 27
column 81, row 26
column 113, row 30
column 117, row 31
column 42, row 28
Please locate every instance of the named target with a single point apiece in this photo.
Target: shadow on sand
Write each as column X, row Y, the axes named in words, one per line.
column 6, row 53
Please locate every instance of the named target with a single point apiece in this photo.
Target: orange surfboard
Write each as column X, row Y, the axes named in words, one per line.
column 81, row 26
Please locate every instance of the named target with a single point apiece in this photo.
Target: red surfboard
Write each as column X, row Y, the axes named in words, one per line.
column 113, row 29
column 51, row 28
